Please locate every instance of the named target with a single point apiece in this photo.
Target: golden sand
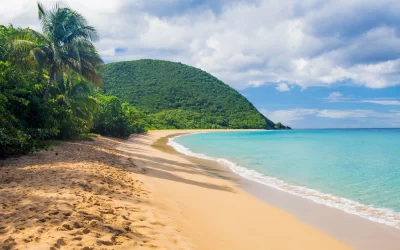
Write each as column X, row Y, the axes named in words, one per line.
column 113, row 194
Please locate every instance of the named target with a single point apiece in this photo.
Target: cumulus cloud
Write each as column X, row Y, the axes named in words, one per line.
column 282, row 87
column 248, row 43
column 288, row 116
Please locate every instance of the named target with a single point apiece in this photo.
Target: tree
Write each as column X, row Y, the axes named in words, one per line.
column 79, row 99
column 136, row 119
column 175, row 95
column 64, row 48
column 110, row 118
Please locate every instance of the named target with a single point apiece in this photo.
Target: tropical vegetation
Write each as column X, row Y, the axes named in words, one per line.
column 174, row 95
column 51, row 87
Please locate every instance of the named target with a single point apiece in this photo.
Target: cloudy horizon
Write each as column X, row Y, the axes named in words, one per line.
column 304, row 63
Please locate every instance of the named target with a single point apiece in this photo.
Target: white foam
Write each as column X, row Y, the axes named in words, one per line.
column 380, row 215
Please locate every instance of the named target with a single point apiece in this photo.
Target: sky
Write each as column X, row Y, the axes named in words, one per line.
column 307, row 64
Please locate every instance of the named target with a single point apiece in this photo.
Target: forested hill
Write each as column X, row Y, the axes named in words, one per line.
column 175, row 95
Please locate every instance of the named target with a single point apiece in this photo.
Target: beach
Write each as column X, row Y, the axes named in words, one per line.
column 79, row 195
column 141, row 194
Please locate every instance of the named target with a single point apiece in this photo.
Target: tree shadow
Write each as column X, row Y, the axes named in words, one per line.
column 208, row 167
column 82, row 190
column 72, row 189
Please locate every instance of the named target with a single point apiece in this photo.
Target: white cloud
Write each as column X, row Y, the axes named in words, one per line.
column 308, row 43
column 282, row 87
column 382, row 102
column 339, row 97
column 345, row 114
column 335, row 97
column 288, row 115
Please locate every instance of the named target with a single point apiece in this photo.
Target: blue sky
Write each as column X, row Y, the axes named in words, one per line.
column 329, row 107
column 306, row 63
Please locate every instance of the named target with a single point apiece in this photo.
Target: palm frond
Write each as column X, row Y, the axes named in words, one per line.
column 43, row 15
column 64, row 48
column 25, row 40
column 76, row 27
column 89, row 73
column 39, row 38
column 88, row 52
column 80, row 91
column 91, row 32
column 39, row 56
column 42, row 11
column 74, row 65
column 21, row 46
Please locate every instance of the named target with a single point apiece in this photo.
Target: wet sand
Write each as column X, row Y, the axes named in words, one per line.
column 115, row 194
column 210, row 210
column 356, row 232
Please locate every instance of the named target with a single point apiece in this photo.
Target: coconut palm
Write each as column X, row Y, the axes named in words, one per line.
column 64, row 48
column 79, row 99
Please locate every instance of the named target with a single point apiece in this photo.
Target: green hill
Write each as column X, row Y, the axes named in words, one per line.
column 175, row 95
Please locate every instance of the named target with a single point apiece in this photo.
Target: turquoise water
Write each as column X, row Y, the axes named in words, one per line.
column 356, row 170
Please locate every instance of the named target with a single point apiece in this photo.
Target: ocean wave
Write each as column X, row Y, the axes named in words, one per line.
column 380, row 215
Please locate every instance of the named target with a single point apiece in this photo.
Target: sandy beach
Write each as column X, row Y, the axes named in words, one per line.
column 214, row 214
column 80, row 195
column 115, row 194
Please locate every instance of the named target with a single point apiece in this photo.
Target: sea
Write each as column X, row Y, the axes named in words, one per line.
column 354, row 170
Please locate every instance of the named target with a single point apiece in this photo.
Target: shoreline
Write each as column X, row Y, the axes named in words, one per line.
column 380, row 215
column 142, row 194
column 354, row 230
column 213, row 212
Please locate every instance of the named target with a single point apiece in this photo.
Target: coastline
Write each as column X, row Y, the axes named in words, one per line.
column 353, row 230
column 380, row 215
column 142, row 194
column 213, row 212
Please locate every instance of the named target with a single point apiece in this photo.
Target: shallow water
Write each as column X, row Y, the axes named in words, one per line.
column 357, row 171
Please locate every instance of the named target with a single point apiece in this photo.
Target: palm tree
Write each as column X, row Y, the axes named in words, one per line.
column 65, row 46
column 78, row 98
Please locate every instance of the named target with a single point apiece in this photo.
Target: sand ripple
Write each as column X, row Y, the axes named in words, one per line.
column 80, row 195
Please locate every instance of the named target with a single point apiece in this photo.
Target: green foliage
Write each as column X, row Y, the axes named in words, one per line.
column 116, row 119
column 43, row 95
column 281, row 126
column 179, row 96
column 5, row 34
column 64, row 48
column 186, row 119
column 24, row 121
column 137, row 120
column 28, row 123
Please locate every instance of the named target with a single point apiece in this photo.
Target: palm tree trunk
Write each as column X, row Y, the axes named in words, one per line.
column 47, row 91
